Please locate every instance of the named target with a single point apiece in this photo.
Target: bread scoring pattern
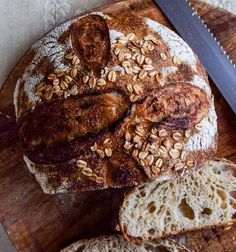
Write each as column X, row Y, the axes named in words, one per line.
column 117, row 109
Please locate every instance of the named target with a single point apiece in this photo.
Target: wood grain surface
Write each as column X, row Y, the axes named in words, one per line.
column 38, row 222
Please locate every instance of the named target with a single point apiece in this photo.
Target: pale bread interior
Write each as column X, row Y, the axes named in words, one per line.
column 116, row 243
column 204, row 198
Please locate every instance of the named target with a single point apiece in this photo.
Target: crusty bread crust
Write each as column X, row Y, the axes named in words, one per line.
column 92, row 110
column 226, row 163
column 140, row 240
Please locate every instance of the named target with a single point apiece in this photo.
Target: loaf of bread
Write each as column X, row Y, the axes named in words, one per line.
column 117, row 243
column 205, row 198
column 112, row 101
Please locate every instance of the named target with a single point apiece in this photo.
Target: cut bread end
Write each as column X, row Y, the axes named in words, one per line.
column 117, row 243
column 199, row 200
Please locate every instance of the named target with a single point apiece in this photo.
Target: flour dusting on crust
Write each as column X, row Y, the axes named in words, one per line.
column 200, row 82
column 176, row 45
column 43, row 179
column 114, row 35
column 169, row 70
column 48, row 47
column 205, row 138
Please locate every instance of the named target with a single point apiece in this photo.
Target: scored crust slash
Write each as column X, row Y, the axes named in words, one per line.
column 113, row 101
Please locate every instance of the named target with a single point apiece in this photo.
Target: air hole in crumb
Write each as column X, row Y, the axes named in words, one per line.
column 148, row 247
column 229, row 170
column 168, row 213
column 151, row 231
column 172, row 227
column 207, row 211
column 151, row 207
column 81, row 248
column 160, row 209
column 186, row 210
column 233, row 204
column 162, row 249
column 143, row 193
column 211, row 196
column 141, row 188
column 233, row 194
column 221, row 194
column 223, row 205
column 159, row 248
column 114, row 245
column 196, row 184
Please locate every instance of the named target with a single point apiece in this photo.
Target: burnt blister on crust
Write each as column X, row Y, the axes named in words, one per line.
column 176, row 105
column 124, row 171
column 91, row 42
column 71, row 118
column 160, row 126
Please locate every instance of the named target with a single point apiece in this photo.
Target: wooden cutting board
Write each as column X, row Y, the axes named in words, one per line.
column 38, row 222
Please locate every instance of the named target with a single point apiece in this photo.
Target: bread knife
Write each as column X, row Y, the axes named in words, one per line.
column 212, row 56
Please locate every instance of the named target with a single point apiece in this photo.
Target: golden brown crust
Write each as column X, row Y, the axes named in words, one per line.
column 139, row 240
column 176, row 106
column 113, row 109
column 91, row 42
column 59, row 121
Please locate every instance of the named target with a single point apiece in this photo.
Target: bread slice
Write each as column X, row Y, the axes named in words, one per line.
column 199, row 200
column 117, row 243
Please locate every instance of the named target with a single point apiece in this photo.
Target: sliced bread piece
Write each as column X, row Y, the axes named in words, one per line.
column 199, row 200
column 117, row 243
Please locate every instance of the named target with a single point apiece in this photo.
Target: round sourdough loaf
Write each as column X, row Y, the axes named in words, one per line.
column 112, row 101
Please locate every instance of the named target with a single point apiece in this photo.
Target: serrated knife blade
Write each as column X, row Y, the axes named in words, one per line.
column 192, row 29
